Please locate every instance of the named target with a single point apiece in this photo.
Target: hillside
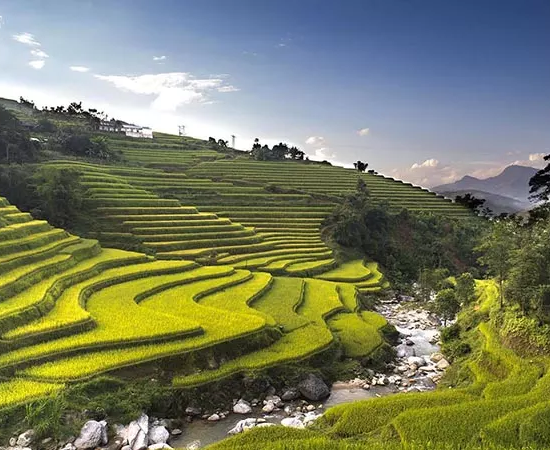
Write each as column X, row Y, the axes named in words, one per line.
column 59, row 323
column 501, row 403
column 512, row 182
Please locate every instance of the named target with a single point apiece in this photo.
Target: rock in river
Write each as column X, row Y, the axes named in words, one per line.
column 313, row 388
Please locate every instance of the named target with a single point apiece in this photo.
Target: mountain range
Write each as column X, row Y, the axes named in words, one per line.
column 506, row 192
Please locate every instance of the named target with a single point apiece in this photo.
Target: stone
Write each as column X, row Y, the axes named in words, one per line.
column 269, row 407
column 137, row 433
column 26, row 438
column 288, row 410
column 13, row 442
column 290, row 394
column 126, row 447
column 310, row 408
column 116, row 444
column 159, row 446
column 245, row 424
column 214, row 418
column 104, row 432
column 442, row 364
column 436, row 357
column 313, row 388
column 242, row 407
column 193, row 411
column 275, row 399
column 409, row 342
column 415, row 361
column 309, row 418
column 292, row 422
column 195, row 445
column 158, row 435
column 90, row 436
column 69, row 446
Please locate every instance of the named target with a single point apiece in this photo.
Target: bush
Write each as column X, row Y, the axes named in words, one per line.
column 450, row 333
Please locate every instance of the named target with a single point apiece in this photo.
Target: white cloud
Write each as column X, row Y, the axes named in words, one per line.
column 37, row 53
column 324, row 153
column 172, row 89
column 228, row 88
column 317, row 141
column 431, row 163
column 363, row 131
column 1, row 21
column 159, row 58
column 537, row 156
column 38, row 64
column 27, row 39
column 81, row 69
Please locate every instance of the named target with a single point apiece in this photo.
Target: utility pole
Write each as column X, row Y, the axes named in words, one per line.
column 233, row 141
column 181, row 133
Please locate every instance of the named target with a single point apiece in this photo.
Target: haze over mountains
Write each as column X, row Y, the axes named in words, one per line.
column 506, row 192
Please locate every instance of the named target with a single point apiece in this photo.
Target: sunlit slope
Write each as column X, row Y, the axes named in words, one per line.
column 504, row 408
column 71, row 310
column 131, row 211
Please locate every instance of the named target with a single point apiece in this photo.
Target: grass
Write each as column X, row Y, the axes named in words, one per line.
column 357, row 336
column 51, row 288
column 17, row 391
column 117, row 322
column 320, row 301
column 294, row 346
column 281, row 302
column 241, row 297
column 348, row 272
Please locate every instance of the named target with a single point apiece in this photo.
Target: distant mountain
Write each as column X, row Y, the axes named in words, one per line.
column 512, row 182
column 497, row 203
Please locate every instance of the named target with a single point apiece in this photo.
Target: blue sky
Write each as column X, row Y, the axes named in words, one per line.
column 425, row 90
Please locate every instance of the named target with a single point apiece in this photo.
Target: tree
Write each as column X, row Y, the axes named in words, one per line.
column 46, row 126
column 497, row 250
column 465, row 288
column 256, row 145
column 360, row 166
column 222, row 143
column 60, row 194
column 540, row 183
column 469, row 201
column 447, row 305
column 15, row 143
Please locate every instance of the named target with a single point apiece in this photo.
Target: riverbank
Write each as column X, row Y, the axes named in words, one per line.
column 418, row 367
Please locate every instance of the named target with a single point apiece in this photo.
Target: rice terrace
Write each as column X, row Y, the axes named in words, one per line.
column 372, row 271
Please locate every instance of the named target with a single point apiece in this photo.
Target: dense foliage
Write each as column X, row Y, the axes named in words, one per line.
column 53, row 194
column 15, row 143
column 404, row 242
column 278, row 152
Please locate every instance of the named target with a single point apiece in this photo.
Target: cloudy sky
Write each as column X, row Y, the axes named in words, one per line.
column 424, row 90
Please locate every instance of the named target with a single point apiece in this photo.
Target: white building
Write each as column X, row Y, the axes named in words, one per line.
column 130, row 130
column 137, row 131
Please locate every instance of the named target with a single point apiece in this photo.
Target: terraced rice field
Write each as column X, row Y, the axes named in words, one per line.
column 71, row 309
column 227, row 258
column 505, row 408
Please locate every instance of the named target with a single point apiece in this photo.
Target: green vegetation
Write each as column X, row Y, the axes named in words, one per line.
column 228, row 265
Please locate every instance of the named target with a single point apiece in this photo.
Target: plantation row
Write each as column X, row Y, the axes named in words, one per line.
column 279, row 241
column 507, row 406
column 70, row 310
